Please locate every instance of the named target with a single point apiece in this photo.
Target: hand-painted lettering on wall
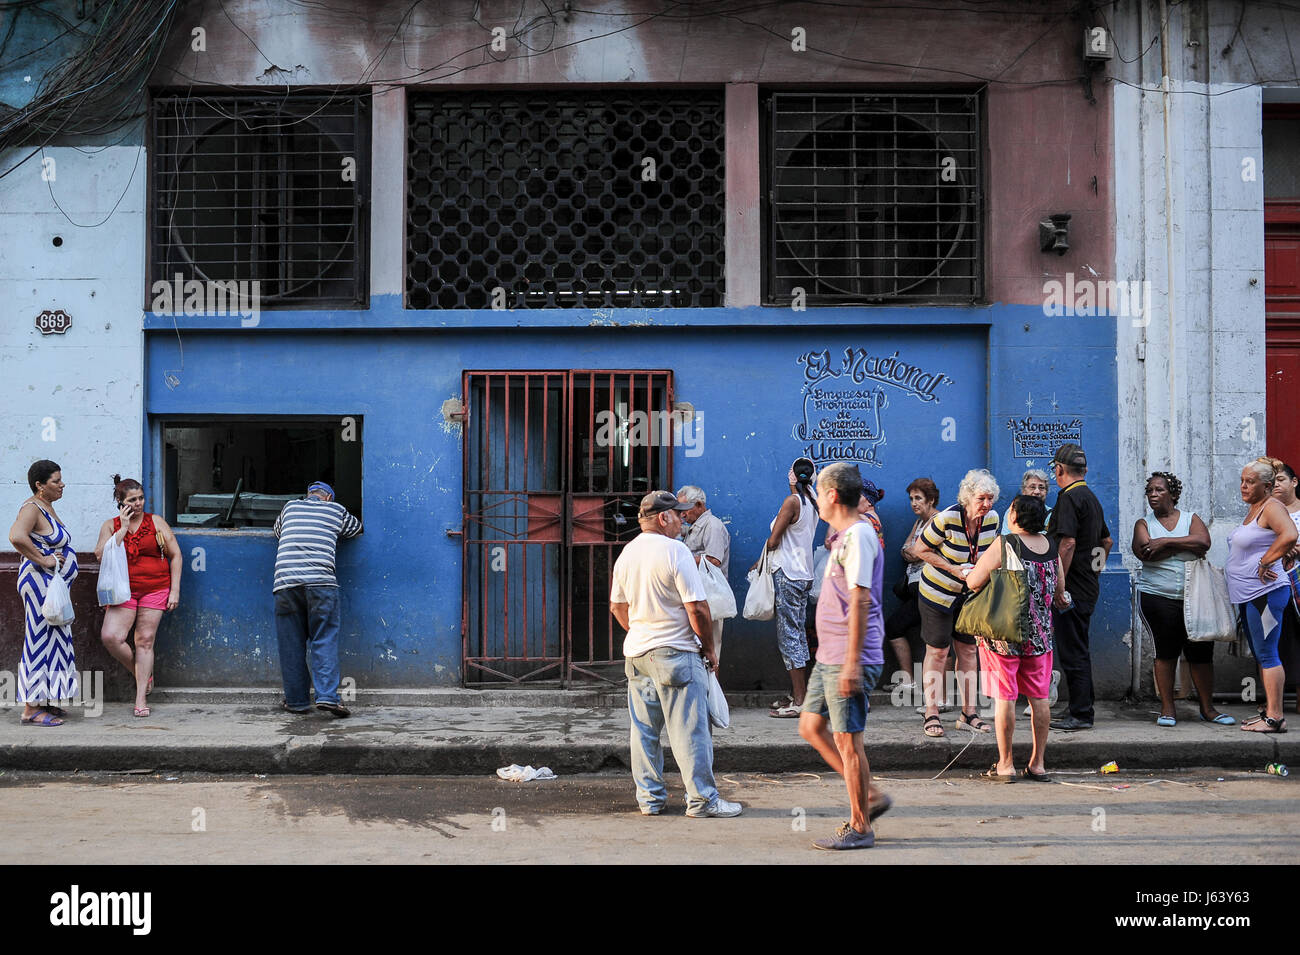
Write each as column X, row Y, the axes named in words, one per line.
column 1040, row 437
column 841, row 418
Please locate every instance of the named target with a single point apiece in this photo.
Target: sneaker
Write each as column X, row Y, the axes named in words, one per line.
column 651, row 812
column 846, row 837
column 721, row 809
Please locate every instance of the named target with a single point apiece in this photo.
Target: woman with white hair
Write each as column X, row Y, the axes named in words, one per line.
column 950, row 546
column 1259, row 586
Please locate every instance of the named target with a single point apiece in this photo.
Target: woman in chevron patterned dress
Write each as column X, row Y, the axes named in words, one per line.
column 49, row 669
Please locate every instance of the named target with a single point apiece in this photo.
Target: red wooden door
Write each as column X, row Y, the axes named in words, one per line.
column 1282, row 330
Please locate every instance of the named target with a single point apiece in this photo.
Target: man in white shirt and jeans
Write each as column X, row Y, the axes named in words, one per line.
column 657, row 596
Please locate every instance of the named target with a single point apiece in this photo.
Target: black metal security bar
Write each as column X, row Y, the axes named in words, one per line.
column 263, row 188
column 873, row 198
column 565, row 199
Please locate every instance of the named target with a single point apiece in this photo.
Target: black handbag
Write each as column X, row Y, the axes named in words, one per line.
column 902, row 590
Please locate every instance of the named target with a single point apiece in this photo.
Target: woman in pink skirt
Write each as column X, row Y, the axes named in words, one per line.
column 1008, row 670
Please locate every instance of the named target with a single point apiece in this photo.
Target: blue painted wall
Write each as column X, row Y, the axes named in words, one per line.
column 742, row 371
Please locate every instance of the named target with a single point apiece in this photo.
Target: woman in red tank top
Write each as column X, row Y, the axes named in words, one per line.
column 153, row 561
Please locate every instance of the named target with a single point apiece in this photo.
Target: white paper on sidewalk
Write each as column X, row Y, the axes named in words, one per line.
column 515, row 773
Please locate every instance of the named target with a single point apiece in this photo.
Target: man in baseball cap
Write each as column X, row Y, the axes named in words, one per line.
column 306, row 590
column 657, row 596
column 1083, row 541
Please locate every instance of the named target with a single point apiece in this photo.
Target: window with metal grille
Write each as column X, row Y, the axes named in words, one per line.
column 565, row 199
column 263, row 188
column 872, row 198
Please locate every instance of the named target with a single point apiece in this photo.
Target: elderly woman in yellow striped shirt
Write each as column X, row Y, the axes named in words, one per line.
column 950, row 546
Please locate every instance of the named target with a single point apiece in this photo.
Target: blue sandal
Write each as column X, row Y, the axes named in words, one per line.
column 1223, row 719
column 41, row 718
column 1167, row 721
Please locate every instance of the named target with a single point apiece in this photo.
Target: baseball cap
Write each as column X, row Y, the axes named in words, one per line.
column 321, row 486
column 1071, row 455
column 656, row 502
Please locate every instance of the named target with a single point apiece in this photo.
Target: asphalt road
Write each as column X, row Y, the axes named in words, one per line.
column 1207, row 817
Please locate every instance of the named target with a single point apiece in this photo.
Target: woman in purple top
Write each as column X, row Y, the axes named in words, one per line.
column 1258, row 585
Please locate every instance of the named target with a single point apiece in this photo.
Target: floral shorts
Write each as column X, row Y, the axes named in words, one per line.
column 791, row 605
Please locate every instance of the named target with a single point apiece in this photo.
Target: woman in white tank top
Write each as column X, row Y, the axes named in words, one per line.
column 790, row 552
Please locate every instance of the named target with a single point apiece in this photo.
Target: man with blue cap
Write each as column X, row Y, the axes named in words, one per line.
column 307, row 598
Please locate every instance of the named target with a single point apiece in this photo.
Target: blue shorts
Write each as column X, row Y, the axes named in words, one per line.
column 847, row 714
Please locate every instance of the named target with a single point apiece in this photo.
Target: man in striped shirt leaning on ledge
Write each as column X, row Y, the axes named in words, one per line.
column 307, row 598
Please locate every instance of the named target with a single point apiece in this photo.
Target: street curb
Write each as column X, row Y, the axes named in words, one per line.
column 316, row 756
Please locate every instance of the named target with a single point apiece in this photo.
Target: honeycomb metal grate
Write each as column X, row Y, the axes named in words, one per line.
column 540, row 199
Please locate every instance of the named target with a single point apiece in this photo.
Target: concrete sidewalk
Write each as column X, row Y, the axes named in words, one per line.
column 464, row 732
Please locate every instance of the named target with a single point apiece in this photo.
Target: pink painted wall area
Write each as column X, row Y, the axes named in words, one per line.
column 1046, row 143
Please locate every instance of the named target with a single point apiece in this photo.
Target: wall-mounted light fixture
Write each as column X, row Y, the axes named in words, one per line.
column 1054, row 232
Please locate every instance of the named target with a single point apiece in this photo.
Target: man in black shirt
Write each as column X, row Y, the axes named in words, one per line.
column 1084, row 543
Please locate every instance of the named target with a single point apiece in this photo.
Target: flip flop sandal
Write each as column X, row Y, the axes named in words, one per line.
column 994, row 776
column 1274, row 726
column 1223, row 719
column 142, row 711
column 789, row 711
column 972, row 721
column 41, row 718
column 1034, row 777
column 1168, row 721
column 778, row 704
column 932, row 726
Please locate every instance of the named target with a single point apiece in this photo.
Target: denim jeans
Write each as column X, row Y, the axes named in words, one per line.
column 670, row 687
column 307, row 626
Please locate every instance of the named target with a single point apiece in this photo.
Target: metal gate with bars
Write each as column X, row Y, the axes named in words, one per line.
column 555, row 466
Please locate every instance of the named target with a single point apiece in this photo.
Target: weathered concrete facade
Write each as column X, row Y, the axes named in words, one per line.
column 1047, row 149
column 1189, row 208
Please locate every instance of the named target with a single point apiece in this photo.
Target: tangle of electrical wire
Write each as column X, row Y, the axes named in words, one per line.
column 100, row 87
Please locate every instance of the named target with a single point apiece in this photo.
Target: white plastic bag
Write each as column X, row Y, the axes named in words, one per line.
column 114, row 585
column 1207, row 611
column 760, row 602
column 722, row 602
column 57, row 608
column 719, row 712
column 821, row 557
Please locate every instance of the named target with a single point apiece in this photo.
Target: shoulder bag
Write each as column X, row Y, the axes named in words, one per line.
column 1001, row 610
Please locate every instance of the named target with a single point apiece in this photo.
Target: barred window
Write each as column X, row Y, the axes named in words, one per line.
column 263, row 188
column 872, row 198
column 565, row 199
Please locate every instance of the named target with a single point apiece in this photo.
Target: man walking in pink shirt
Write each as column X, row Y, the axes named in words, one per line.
column 850, row 656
